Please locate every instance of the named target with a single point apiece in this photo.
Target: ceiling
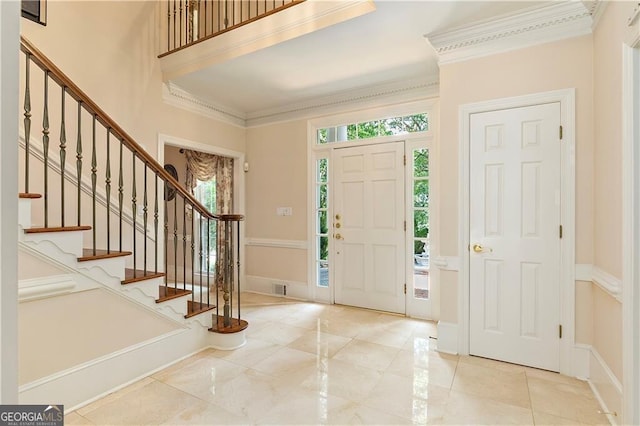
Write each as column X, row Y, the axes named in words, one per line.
column 380, row 47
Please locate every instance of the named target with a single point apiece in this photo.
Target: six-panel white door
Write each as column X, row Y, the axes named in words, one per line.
column 514, row 235
column 368, row 226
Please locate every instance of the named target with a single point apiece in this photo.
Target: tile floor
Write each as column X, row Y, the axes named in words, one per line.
column 308, row 363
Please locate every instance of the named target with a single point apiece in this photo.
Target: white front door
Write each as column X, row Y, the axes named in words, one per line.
column 368, row 226
column 515, row 235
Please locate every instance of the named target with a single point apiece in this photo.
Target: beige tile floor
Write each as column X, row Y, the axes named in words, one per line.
column 308, row 363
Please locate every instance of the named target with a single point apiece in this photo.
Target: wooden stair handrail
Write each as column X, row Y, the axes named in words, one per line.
column 88, row 104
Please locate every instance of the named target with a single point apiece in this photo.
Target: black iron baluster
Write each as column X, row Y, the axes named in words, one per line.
column 45, row 147
column 120, row 197
column 206, row 18
column 107, row 182
column 209, row 271
column 193, row 266
column 155, row 225
column 79, row 160
column 180, row 38
column 63, row 153
column 238, row 268
column 144, row 218
column 94, row 176
column 174, row 24
column 219, row 16
column 134, row 209
column 166, row 235
column 168, row 25
column 184, row 244
column 201, row 255
column 27, row 122
column 187, row 21
column 175, row 243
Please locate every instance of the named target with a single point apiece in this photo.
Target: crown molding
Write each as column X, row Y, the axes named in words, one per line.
column 596, row 9
column 556, row 21
column 372, row 96
column 180, row 98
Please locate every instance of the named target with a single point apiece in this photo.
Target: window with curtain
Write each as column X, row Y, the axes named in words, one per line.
column 209, row 177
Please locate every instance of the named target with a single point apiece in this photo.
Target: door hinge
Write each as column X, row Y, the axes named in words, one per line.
column 560, row 231
column 405, row 225
column 405, row 288
column 560, row 132
column 560, row 331
column 404, row 160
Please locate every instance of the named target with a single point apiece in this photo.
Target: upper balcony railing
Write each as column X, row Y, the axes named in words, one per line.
column 193, row 21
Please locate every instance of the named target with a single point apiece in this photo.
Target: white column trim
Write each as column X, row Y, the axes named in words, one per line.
column 9, row 83
column 566, row 98
column 631, row 223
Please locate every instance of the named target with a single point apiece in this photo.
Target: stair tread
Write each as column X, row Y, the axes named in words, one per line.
column 195, row 308
column 38, row 230
column 139, row 275
column 29, row 195
column 168, row 293
column 87, row 254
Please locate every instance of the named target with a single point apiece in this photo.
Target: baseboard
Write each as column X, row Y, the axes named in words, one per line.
column 447, row 337
column 87, row 382
column 606, row 387
column 265, row 285
column 581, row 360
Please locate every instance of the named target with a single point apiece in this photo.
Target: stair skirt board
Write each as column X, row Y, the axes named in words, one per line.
column 85, row 383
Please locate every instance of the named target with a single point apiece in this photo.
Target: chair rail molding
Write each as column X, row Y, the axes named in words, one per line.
column 555, row 21
column 607, row 282
column 274, row 243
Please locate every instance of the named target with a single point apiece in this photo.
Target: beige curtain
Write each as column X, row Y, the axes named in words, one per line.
column 204, row 167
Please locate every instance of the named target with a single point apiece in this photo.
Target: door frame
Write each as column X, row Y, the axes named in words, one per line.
column 566, row 98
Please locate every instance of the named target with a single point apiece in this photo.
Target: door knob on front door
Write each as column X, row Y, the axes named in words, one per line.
column 339, row 237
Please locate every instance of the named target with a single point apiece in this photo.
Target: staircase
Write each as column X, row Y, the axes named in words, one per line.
column 109, row 222
column 64, row 245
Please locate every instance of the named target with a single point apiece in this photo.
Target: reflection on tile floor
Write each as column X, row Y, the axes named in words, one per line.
column 307, row 363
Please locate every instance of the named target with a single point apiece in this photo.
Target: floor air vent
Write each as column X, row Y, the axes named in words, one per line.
column 279, row 289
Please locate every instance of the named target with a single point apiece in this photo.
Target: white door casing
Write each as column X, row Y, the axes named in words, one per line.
column 514, row 235
column 368, row 226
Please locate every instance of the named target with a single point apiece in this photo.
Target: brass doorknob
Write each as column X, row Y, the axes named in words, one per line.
column 338, row 225
column 480, row 249
column 339, row 237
